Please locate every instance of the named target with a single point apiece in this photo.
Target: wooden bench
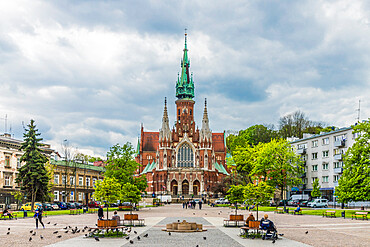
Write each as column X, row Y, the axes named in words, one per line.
column 329, row 213
column 14, row 215
column 362, row 215
column 295, row 212
column 233, row 223
column 279, row 211
column 253, row 225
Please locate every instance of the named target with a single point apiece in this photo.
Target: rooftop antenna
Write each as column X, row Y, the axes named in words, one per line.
column 5, row 122
column 359, row 111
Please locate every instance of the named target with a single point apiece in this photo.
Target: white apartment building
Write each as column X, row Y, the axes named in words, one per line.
column 323, row 158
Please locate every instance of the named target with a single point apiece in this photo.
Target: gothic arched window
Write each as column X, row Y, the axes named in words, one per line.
column 185, row 156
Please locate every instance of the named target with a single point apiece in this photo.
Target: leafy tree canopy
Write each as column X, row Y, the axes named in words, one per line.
column 354, row 184
column 130, row 193
column 315, row 189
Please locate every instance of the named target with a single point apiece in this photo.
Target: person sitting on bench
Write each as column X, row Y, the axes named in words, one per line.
column 297, row 209
column 116, row 217
column 267, row 224
column 250, row 218
column 7, row 213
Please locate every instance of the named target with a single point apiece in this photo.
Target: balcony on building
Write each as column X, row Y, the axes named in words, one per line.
column 340, row 143
column 301, row 151
column 338, row 156
column 338, row 170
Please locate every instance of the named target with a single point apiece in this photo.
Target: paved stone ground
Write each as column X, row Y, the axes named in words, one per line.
column 321, row 231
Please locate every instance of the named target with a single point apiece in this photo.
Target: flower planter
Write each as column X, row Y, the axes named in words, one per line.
column 107, row 223
column 131, row 216
column 238, row 217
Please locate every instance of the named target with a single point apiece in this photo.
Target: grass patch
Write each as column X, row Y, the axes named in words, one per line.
column 108, row 234
column 57, row 212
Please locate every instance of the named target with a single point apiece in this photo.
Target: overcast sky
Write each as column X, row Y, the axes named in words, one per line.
column 91, row 72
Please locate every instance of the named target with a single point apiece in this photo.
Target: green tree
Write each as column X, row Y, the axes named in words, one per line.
column 108, row 190
column 354, row 184
column 122, row 166
column 130, row 193
column 244, row 158
column 278, row 165
column 33, row 176
column 315, row 189
column 18, row 196
column 258, row 194
column 236, row 195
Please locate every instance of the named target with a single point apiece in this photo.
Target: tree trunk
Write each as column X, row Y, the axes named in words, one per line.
column 257, row 211
column 107, row 211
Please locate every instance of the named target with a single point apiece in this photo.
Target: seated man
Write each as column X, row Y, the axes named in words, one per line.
column 7, row 213
column 268, row 225
column 250, row 218
column 297, row 209
column 116, row 217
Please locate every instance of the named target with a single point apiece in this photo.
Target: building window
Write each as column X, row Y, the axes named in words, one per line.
column 314, row 168
column 325, row 154
column 72, row 180
column 315, row 143
column 80, row 181
column 336, row 178
column 313, row 179
column 7, row 161
column 302, row 146
column 314, row 156
column 94, row 181
column 340, row 137
column 87, row 182
column 325, row 141
column 79, row 196
column 56, row 179
column 338, row 151
column 185, row 156
column 338, row 164
column 64, row 181
column 71, row 196
column 325, row 166
column 56, row 195
column 8, row 179
column 355, row 135
column 325, row 179
column 19, row 163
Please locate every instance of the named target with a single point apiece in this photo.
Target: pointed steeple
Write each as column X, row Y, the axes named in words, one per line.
column 205, row 132
column 185, row 84
column 165, row 132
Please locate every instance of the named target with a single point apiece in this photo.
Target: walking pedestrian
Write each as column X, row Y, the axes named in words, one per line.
column 186, row 205
column 38, row 217
column 200, row 204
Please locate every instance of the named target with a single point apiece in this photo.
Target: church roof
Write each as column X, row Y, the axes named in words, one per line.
column 150, row 141
column 185, row 83
column 218, row 142
column 149, row 167
column 220, row 168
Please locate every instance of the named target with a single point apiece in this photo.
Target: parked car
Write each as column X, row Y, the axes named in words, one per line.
column 46, row 207
column 303, row 203
column 93, row 204
column 62, row 205
column 318, row 203
column 71, row 205
column 222, row 201
column 27, row 206
column 79, row 205
column 55, row 206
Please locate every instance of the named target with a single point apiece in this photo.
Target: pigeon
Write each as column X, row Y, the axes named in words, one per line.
column 169, row 233
column 135, row 232
column 178, row 220
column 7, row 233
column 193, row 213
column 33, row 234
column 86, row 235
column 138, row 237
column 205, row 238
column 41, row 237
column 66, row 231
column 253, row 237
column 48, row 223
column 30, row 239
column 31, row 231
column 146, row 235
column 83, row 230
column 55, row 224
column 306, row 232
column 55, row 232
column 78, row 231
column 128, row 237
column 59, row 236
column 9, row 229
column 131, row 242
column 97, row 239
column 273, row 241
column 65, row 228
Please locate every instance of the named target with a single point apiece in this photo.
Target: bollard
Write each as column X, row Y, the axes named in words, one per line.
column 24, row 214
column 344, row 214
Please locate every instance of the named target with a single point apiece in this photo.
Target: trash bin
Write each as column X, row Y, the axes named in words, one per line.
column 24, row 214
column 344, row 214
column 287, row 210
column 362, row 208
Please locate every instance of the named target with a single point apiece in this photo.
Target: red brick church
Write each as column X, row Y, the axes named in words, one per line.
column 183, row 160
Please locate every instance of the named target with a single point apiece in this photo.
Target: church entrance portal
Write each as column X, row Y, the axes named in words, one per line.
column 196, row 187
column 185, row 187
column 174, row 187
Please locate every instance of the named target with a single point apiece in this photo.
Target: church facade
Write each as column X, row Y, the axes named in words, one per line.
column 183, row 160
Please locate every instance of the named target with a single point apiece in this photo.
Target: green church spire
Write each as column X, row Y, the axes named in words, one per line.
column 185, row 84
